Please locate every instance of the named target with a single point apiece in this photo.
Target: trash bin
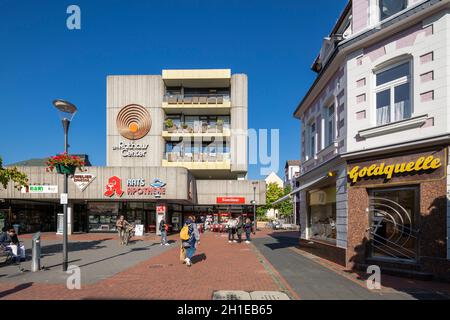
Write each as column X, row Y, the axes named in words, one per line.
column 36, row 252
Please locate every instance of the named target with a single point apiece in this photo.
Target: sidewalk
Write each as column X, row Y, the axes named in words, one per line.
column 218, row 265
column 314, row 278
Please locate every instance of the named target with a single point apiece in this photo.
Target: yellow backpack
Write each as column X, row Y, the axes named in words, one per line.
column 184, row 233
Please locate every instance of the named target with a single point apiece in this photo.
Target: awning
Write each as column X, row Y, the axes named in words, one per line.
column 303, row 187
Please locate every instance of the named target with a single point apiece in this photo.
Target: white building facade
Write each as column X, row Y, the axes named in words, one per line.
column 375, row 136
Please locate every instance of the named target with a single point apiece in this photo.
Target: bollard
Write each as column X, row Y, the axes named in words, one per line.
column 36, row 252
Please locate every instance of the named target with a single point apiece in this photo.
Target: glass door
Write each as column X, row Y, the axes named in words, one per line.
column 394, row 223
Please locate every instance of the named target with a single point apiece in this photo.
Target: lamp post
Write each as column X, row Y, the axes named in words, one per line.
column 66, row 112
column 254, row 183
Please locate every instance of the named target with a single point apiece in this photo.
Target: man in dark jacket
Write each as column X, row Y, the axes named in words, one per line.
column 240, row 228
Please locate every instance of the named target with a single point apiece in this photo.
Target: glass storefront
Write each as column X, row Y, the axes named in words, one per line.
column 31, row 216
column 393, row 214
column 102, row 216
column 322, row 214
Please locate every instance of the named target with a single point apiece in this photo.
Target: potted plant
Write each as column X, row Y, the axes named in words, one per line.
column 220, row 125
column 65, row 164
column 170, row 125
column 185, row 127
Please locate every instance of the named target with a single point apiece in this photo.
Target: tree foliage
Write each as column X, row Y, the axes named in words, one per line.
column 273, row 193
column 12, row 174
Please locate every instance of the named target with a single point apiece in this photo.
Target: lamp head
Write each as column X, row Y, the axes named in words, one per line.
column 65, row 109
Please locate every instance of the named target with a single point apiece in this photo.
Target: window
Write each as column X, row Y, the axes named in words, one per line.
column 322, row 214
column 329, row 125
column 393, row 94
column 394, row 224
column 312, row 140
column 390, row 7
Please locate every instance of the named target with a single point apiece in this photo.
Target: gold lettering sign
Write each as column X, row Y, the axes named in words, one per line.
column 388, row 171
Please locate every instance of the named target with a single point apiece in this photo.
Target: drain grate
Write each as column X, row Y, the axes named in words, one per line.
column 231, row 295
column 269, row 295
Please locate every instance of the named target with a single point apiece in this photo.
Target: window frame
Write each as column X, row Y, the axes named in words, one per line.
column 327, row 120
column 377, row 14
column 391, row 87
column 312, row 139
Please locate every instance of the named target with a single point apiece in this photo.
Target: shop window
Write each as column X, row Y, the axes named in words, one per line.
column 102, row 216
column 322, row 211
column 390, row 7
column 393, row 94
column 394, row 224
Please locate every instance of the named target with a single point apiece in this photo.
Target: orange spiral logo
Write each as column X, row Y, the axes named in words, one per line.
column 134, row 122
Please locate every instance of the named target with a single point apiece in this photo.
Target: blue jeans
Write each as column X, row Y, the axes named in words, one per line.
column 247, row 234
column 190, row 252
column 163, row 237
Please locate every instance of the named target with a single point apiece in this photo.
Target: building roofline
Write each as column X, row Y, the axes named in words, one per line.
column 358, row 38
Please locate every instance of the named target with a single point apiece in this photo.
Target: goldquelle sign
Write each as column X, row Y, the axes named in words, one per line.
column 388, row 171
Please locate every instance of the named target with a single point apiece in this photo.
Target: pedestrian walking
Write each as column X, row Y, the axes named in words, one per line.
column 121, row 226
column 190, row 239
column 240, row 228
column 163, row 228
column 248, row 227
column 231, row 226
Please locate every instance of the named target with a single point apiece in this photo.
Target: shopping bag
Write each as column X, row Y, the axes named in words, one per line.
column 22, row 252
column 182, row 254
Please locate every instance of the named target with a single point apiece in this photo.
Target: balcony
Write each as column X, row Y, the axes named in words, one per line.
column 172, row 103
column 200, row 131
column 198, row 161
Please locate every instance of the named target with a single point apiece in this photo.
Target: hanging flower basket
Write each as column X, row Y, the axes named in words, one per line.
column 61, row 169
column 65, row 164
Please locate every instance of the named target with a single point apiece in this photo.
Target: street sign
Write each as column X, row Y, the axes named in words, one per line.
column 64, row 198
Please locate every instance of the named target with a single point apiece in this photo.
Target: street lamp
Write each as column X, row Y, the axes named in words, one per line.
column 66, row 112
column 254, row 183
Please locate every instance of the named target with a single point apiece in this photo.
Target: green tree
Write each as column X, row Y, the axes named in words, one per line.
column 285, row 208
column 12, row 174
column 273, row 193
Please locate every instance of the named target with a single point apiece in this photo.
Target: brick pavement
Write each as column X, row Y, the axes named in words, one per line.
column 218, row 265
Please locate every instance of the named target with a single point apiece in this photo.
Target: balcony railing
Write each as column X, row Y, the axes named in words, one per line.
column 196, row 98
column 204, row 128
column 196, row 157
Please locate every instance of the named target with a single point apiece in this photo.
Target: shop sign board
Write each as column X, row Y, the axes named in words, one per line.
column 161, row 209
column 139, row 230
column 230, row 200
column 39, row 189
column 64, row 198
column 135, row 187
column 404, row 168
column 82, row 181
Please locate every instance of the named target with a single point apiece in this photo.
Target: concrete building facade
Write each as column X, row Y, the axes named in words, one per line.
column 176, row 146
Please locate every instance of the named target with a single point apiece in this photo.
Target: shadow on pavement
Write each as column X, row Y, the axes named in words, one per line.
column 18, row 288
column 198, row 258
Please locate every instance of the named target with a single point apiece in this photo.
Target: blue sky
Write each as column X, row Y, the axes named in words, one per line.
column 274, row 42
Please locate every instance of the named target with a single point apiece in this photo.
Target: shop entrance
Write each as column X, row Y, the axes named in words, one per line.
column 394, row 223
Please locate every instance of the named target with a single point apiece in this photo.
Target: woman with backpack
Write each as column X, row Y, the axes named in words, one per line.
column 190, row 239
